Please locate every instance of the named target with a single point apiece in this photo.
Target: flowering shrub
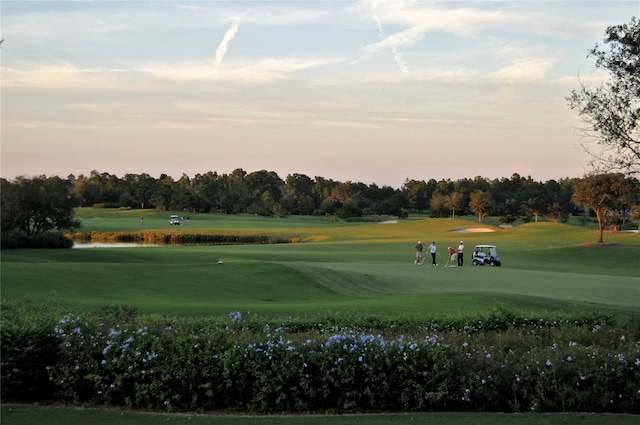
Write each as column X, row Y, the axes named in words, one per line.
column 241, row 363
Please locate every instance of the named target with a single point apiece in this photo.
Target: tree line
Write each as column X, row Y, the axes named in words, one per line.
column 265, row 193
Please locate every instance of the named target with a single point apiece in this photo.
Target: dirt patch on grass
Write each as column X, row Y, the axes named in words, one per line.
column 473, row 230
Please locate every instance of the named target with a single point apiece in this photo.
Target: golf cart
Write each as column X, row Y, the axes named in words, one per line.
column 485, row 254
column 175, row 220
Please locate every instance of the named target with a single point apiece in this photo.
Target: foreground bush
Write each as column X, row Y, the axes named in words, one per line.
column 20, row 240
column 509, row 364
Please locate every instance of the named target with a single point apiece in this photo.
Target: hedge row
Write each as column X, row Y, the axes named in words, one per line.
column 20, row 240
column 174, row 238
column 214, row 364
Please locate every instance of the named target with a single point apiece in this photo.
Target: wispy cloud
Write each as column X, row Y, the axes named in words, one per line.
column 403, row 38
column 57, row 24
column 221, row 51
column 244, row 71
column 61, row 75
column 524, row 71
column 400, row 61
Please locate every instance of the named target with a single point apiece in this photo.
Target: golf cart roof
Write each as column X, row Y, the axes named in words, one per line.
column 485, row 246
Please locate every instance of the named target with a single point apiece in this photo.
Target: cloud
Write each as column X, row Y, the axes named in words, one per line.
column 247, row 71
column 221, row 51
column 61, row 75
column 523, row 71
column 57, row 24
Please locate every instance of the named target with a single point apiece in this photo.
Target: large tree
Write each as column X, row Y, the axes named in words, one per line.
column 417, row 194
column 453, row 202
column 37, row 205
column 438, row 204
column 603, row 193
column 480, row 204
column 611, row 111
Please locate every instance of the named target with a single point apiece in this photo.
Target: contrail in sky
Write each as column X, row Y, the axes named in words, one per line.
column 400, row 61
column 380, row 30
column 221, row 51
column 397, row 56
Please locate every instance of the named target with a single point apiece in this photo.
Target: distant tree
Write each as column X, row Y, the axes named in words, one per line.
column 85, row 191
column 480, row 204
column 559, row 192
column 126, row 200
column 235, row 197
column 278, row 210
column 259, row 182
column 163, row 192
column 602, row 193
column 349, row 208
column 142, row 187
column 438, row 204
column 297, row 194
column 611, row 112
column 329, row 205
column 635, row 214
column 299, row 184
column 417, row 194
column 306, row 205
column 556, row 213
column 37, row 205
column 533, row 206
column 182, row 197
column 509, row 210
column 109, row 186
column 453, row 202
column 321, row 193
column 206, row 188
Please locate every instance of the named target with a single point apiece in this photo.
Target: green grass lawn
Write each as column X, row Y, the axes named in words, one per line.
column 356, row 267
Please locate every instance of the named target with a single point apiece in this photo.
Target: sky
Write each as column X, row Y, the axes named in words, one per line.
column 376, row 92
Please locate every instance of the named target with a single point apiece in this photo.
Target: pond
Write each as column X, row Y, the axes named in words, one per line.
column 113, row 245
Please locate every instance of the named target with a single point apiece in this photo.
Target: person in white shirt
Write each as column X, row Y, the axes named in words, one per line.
column 460, row 253
column 432, row 250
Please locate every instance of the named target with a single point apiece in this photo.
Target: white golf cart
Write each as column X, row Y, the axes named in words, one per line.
column 485, row 254
column 175, row 220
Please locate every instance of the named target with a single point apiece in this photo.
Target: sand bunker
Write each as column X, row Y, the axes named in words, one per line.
column 389, row 222
column 474, row 230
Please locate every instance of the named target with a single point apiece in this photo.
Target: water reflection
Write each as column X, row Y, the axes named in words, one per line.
column 112, row 245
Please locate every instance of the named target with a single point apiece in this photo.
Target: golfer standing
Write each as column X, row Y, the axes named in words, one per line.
column 460, row 253
column 433, row 249
column 418, row 249
column 453, row 255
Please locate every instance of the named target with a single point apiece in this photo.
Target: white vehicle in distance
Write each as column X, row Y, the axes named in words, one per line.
column 175, row 220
